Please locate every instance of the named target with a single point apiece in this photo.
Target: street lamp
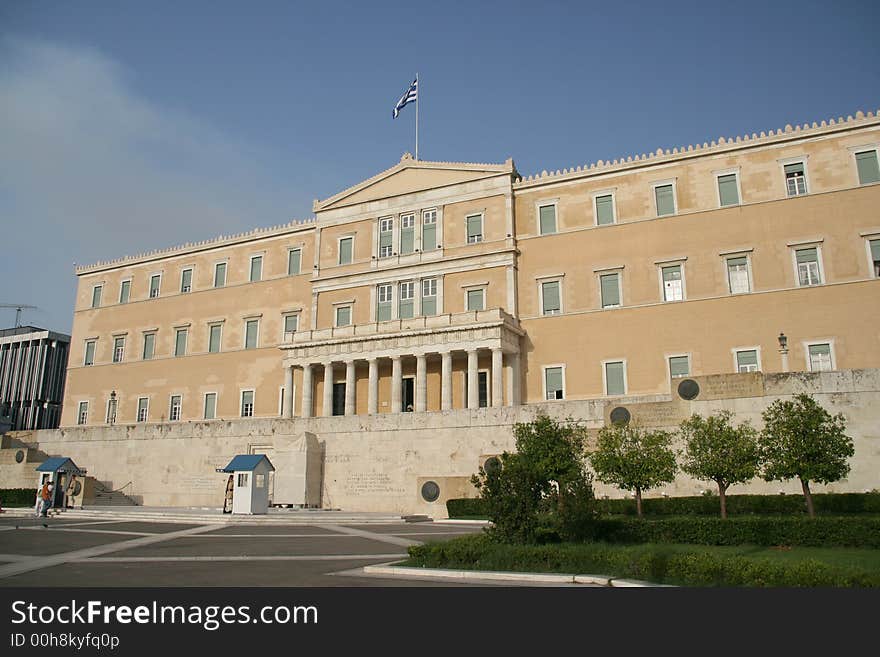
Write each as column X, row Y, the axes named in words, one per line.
column 783, row 351
column 112, row 413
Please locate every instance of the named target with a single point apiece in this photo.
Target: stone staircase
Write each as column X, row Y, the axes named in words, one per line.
column 103, row 494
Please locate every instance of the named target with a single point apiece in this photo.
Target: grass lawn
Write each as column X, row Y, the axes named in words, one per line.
column 690, row 565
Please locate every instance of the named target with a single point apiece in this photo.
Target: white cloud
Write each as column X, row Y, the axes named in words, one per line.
column 90, row 170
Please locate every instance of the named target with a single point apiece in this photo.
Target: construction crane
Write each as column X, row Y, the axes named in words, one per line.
column 18, row 308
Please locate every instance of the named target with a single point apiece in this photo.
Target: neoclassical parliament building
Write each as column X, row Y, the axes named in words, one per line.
column 423, row 311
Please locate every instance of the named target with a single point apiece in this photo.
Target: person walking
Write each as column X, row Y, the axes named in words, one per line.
column 46, row 494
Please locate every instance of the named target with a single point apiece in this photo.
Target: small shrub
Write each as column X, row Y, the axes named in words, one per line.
column 18, row 496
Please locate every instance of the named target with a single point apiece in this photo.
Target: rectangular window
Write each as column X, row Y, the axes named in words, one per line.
column 665, row 199
column 220, row 274
column 615, row 379
column 294, row 258
column 210, row 405
column 386, row 237
column 124, row 291
column 291, row 323
column 174, row 411
column 795, row 180
column 406, row 300
column 738, row 275
column 474, row 228
column 820, row 358
column 547, row 219
column 247, row 403
column 82, row 415
column 111, row 411
column 180, row 342
column 345, row 250
column 215, row 333
column 429, row 230
column 747, row 360
column 808, row 266
column 256, row 269
column 242, row 478
column 96, row 296
column 869, row 171
column 476, row 299
column 610, row 289
column 118, row 349
column 383, row 303
column 407, row 233
column 728, row 193
column 874, row 245
column 553, row 382
column 673, row 286
column 155, row 282
column 90, row 353
column 429, row 296
column 343, row 316
column 143, row 409
column 551, row 298
column 679, row 366
column 186, row 281
column 149, row 346
column 604, row 210
column 251, row 327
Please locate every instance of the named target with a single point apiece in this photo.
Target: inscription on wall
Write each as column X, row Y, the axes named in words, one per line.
column 372, row 483
column 731, row 386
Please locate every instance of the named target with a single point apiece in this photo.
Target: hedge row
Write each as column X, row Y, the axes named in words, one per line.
column 857, row 532
column 18, row 496
column 703, row 505
column 652, row 563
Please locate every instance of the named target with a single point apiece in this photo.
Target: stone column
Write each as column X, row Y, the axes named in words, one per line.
column 350, row 389
column 446, row 381
column 373, row 393
column 288, row 392
column 327, row 407
column 497, row 378
column 308, row 391
column 515, row 389
column 396, row 384
column 421, row 383
column 473, row 400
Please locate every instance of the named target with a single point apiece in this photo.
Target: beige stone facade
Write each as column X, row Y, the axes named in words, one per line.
column 436, row 287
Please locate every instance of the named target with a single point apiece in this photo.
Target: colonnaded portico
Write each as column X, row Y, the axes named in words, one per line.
column 425, row 341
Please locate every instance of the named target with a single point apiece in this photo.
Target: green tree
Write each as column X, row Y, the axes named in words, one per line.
column 801, row 439
column 715, row 450
column 633, row 459
column 543, row 484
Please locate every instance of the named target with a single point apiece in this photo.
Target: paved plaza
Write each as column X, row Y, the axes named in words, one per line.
column 94, row 552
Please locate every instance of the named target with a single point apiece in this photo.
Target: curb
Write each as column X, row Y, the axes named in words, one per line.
column 453, row 521
column 494, row 575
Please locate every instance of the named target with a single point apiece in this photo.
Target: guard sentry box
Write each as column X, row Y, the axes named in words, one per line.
column 250, row 473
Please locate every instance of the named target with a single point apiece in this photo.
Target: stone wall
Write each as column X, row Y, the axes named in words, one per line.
column 379, row 463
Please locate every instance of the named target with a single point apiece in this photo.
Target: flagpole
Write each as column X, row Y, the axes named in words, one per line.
column 418, row 92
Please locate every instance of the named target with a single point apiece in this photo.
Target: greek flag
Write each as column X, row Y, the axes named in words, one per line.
column 411, row 96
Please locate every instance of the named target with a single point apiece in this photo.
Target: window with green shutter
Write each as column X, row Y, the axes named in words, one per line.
column 869, row 171
column 808, row 266
column 407, row 233
column 343, row 316
column 210, row 405
column 386, row 237
column 604, row 210
column 875, row 257
column 291, row 323
column 220, row 274
column 673, row 285
column 474, row 228
column 475, row 300
column 250, row 333
column 256, row 268
column 547, row 219
column 615, row 383
column 118, row 350
column 610, row 287
column 180, row 343
column 96, row 295
column 795, row 180
column 90, row 353
column 186, row 279
column 247, row 403
column 747, row 360
column 345, row 249
column 294, row 258
column 214, row 334
column 429, row 230
column 155, row 281
column 820, row 358
column 679, row 366
column 124, row 291
column 665, row 200
column 550, row 297
column 149, row 345
column 383, row 303
column 553, row 382
column 728, row 193
column 406, row 300
column 429, row 296
column 738, row 275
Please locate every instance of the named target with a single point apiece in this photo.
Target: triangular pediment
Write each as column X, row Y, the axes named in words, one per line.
column 411, row 176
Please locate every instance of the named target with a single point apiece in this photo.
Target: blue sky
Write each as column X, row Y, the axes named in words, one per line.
column 137, row 125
